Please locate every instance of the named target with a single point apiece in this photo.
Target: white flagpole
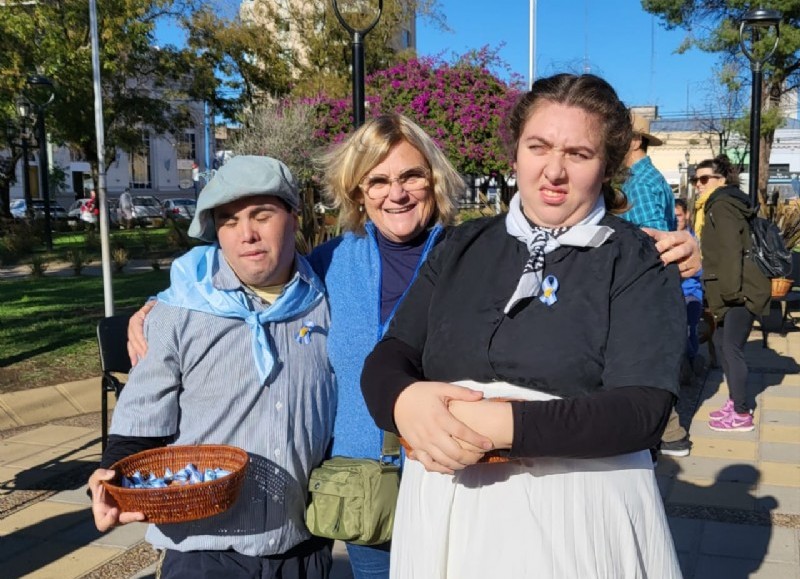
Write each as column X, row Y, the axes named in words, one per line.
column 532, row 43
column 105, row 250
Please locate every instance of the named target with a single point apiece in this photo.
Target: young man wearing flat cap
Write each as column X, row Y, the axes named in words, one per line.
column 237, row 355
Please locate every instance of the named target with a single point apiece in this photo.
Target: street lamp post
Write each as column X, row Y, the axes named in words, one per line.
column 24, row 112
column 752, row 25
column 357, row 36
column 40, row 93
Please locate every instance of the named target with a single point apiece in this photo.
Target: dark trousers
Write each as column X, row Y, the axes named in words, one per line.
column 309, row 560
column 730, row 339
column 694, row 311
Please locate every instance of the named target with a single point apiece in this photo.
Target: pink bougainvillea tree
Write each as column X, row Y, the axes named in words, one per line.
column 461, row 104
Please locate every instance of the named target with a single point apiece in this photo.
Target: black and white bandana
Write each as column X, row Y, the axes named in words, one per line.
column 541, row 241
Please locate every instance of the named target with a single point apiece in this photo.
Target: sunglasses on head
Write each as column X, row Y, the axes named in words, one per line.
column 703, row 179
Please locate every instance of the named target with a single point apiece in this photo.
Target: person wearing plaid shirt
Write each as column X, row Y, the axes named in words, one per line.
column 650, row 196
column 652, row 205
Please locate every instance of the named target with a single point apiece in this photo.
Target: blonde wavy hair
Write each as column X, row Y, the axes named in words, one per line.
column 346, row 164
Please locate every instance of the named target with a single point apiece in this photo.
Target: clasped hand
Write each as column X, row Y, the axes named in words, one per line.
column 438, row 420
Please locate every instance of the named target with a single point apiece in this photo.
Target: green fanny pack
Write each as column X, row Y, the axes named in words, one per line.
column 354, row 499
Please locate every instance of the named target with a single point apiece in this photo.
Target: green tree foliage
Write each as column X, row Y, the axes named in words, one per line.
column 713, row 26
column 239, row 63
column 142, row 86
column 318, row 47
column 461, row 104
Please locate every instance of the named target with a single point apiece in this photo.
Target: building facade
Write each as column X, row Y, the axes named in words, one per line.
column 689, row 141
column 161, row 166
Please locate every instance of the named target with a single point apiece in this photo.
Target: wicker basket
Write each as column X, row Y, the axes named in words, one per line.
column 177, row 504
column 780, row 286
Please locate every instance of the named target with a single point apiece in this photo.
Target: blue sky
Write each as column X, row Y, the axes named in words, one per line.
column 617, row 38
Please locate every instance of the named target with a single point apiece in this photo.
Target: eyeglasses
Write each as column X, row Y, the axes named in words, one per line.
column 703, row 179
column 379, row 186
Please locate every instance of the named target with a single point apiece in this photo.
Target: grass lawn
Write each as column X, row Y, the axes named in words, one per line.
column 155, row 238
column 47, row 325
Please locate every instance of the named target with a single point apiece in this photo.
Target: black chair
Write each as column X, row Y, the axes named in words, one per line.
column 112, row 339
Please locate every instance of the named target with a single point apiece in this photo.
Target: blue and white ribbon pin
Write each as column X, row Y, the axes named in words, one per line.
column 549, row 288
column 304, row 334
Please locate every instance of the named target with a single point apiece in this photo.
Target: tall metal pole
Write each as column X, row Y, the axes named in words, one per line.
column 44, row 184
column 26, row 176
column 357, row 36
column 207, row 128
column 756, row 22
column 532, row 43
column 40, row 93
column 99, row 126
column 358, row 79
column 755, row 132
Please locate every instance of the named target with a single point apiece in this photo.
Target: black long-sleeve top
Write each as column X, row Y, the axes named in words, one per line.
column 610, row 346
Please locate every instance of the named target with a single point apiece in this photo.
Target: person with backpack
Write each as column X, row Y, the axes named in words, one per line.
column 735, row 288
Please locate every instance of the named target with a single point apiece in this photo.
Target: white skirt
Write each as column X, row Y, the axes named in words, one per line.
column 542, row 518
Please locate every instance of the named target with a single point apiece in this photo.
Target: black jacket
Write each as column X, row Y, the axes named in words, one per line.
column 730, row 277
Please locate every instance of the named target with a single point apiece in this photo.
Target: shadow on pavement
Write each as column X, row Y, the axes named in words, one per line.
column 31, row 548
column 722, row 530
column 60, row 473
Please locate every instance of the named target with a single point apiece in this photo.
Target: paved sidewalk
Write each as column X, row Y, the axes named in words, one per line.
column 93, row 268
column 733, row 505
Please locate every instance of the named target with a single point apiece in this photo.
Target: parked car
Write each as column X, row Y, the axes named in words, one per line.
column 147, row 210
column 18, row 210
column 74, row 212
column 179, row 209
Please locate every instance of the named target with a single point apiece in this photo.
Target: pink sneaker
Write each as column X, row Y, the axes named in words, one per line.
column 726, row 409
column 733, row 422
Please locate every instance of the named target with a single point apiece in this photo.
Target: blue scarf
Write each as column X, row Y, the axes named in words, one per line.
column 191, row 287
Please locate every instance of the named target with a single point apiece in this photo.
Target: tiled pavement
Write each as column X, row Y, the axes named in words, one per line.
column 733, row 505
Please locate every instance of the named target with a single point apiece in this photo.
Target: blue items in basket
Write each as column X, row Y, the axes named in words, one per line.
column 187, row 475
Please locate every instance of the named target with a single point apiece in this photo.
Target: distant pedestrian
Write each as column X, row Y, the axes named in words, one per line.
column 196, row 179
column 693, row 296
column 772, row 203
column 650, row 196
column 735, row 288
column 126, row 209
column 90, row 210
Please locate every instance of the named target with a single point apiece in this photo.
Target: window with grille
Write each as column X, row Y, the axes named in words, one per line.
column 140, row 170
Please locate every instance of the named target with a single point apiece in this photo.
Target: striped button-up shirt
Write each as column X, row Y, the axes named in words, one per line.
column 198, row 384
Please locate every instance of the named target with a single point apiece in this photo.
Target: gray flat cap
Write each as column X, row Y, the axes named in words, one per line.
column 242, row 176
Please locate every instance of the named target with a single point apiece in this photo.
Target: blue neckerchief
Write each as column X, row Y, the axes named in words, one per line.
column 191, row 287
